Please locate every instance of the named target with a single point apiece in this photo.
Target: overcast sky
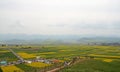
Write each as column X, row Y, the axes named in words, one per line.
column 51, row 17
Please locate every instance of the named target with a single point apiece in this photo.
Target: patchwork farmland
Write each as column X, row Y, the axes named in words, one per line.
column 46, row 58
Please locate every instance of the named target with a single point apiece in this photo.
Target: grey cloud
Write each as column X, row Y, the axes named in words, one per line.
column 59, row 16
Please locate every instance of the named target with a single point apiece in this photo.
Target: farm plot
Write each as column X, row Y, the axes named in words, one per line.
column 26, row 55
column 11, row 69
column 38, row 64
column 94, row 66
column 7, row 56
column 32, row 67
column 62, row 51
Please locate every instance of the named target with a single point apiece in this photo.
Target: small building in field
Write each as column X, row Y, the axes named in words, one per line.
column 28, row 61
column 55, row 61
column 3, row 62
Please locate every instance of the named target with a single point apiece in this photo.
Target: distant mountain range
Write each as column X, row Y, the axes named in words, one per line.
column 56, row 39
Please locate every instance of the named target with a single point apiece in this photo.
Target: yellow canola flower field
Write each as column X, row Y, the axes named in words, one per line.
column 104, row 59
column 105, row 56
column 26, row 55
column 48, row 53
column 11, row 68
column 38, row 64
column 107, row 60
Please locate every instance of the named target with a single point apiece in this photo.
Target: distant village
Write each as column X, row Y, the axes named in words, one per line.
column 43, row 60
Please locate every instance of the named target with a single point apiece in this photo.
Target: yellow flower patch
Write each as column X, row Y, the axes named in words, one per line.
column 96, row 55
column 48, row 53
column 26, row 55
column 107, row 60
column 65, row 50
column 11, row 68
column 104, row 59
column 38, row 64
column 105, row 56
column 66, row 58
column 4, row 51
column 82, row 57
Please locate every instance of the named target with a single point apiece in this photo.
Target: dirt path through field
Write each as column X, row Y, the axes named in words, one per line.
column 69, row 64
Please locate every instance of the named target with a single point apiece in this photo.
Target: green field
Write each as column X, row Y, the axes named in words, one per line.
column 106, row 58
column 94, row 66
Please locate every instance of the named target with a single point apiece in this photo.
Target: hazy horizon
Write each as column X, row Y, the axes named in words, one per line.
column 60, row 17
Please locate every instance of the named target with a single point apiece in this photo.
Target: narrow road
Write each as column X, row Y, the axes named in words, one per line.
column 16, row 55
column 69, row 64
